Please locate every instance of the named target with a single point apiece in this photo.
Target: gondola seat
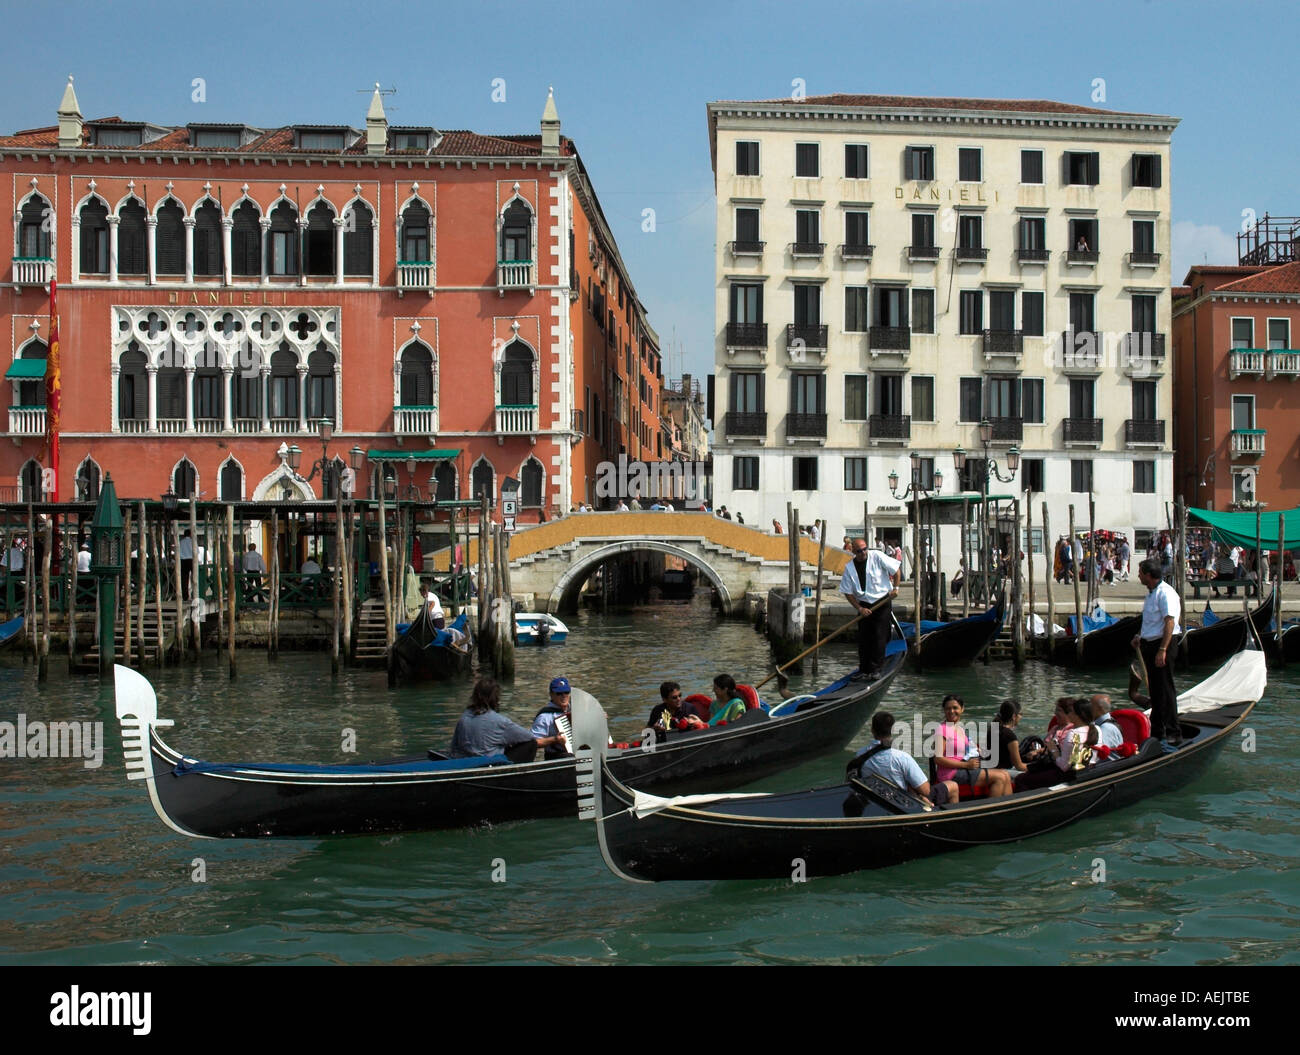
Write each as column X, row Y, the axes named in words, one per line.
column 749, row 694
column 698, row 704
column 1135, row 724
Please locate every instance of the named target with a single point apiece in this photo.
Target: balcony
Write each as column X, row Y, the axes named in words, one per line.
column 799, row 340
column 1247, row 362
column 747, row 335
column 1087, row 257
column 805, row 426
column 889, row 428
column 516, row 419
column 1144, row 432
column 176, row 426
column 1144, row 353
column 889, row 339
column 413, row 420
column 856, row 252
column 1004, row 343
column 27, row 421
column 1247, row 443
column 514, row 274
column 282, row 426
column 1081, row 430
column 808, row 249
column 922, row 252
column 745, row 423
column 247, row 426
column 1136, row 259
column 1033, row 256
column 208, row 426
column 971, row 253
column 1007, row 430
column 1283, row 363
column 739, row 248
column 33, row 270
column 414, row 274
column 133, row 426
column 1083, row 351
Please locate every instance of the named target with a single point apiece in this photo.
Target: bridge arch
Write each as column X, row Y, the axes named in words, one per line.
column 569, row 583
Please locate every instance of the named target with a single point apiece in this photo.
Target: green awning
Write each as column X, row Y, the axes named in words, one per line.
column 26, row 369
column 432, row 455
column 1238, row 529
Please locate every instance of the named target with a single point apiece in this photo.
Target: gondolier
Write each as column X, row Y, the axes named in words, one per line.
column 871, row 577
column 1160, row 615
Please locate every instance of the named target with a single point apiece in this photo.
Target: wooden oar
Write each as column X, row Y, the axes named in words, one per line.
column 779, row 673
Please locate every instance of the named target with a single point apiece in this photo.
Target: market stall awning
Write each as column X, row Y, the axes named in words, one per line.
column 431, row 455
column 1238, row 529
column 26, row 370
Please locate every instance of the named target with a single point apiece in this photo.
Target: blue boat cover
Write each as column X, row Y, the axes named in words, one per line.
column 1091, row 623
column 1208, row 618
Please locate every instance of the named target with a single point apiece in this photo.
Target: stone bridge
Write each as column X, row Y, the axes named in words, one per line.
column 554, row 559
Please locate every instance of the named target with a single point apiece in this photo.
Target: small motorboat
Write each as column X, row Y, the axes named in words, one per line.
column 539, row 628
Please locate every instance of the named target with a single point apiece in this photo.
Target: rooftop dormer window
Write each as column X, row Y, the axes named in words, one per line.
column 119, row 137
column 323, row 140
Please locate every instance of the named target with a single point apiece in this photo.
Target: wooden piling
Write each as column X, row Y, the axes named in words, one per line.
column 965, row 556
column 142, row 577
column 128, row 608
column 337, row 630
column 817, row 604
column 1245, row 594
column 1051, row 583
column 918, row 599
column 195, row 606
column 1078, row 601
column 30, row 626
column 274, row 594
column 212, row 553
column 233, row 572
column 1029, row 557
column 1017, row 607
column 1277, row 583
column 43, row 666
column 179, row 647
column 1094, row 583
column 156, row 533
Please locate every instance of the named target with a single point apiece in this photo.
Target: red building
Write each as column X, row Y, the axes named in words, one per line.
column 1236, row 396
column 223, row 288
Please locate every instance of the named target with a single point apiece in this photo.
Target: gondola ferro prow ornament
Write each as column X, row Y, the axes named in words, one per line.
column 590, row 735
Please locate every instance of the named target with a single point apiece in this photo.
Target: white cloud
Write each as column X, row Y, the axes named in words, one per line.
column 1200, row 243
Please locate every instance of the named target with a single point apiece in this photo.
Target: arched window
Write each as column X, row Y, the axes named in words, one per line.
column 133, row 385
column 169, row 239
column 246, row 241
column 358, row 240
column 31, row 393
column 232, row 481
column 284, row 383
column 516, row 233
column 530, row 484
column 320, row 384
column 88, row 481
column 132, row 242
column 417, row 375
column 320, row 240
column 282, row 249
column 517, row 376
column 483, row 481
column 185, row 479
column 247, row 386
column 35, row 222
column 31, row 482
column 94, row 238
column 415, row 234
column 207, row 240
column 445, row 482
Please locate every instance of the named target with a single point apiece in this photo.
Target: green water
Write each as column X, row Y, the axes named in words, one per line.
column 89, row 875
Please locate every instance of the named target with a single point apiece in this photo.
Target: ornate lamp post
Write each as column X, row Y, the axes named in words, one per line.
column 108, row 558
column 916, row 489
column 990, row 471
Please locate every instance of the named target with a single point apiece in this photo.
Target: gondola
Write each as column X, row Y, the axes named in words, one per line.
column 646, row 838
column 1220, row 636
column 10, row 631
column 958, row 642
column 422, row 651
column 431, row 791
column 1110, row 645
column 677, row 584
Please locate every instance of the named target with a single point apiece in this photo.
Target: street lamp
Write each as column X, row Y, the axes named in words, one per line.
column 990, row 471
column 915, row 488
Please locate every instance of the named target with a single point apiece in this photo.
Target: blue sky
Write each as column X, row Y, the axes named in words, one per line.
column 632, row 82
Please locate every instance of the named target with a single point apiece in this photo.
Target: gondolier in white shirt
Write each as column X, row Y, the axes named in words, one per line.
column 1160, row 615
column 869, row 578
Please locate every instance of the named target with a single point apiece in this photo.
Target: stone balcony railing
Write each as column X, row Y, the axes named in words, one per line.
column 413, row 420
column 516, row 419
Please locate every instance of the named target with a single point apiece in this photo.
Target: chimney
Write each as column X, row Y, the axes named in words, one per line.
column 550, row 126
column 376, row 125
column 70, row 129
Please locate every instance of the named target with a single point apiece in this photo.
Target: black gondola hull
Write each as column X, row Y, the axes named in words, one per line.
column 1111, row 646
column 418, row 657
column 961, row 642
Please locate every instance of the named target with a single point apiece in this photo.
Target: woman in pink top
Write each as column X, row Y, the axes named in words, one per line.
column 957, row 759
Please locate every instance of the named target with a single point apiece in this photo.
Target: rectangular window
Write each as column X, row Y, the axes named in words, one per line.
column 1146, row 170
column 918, row 163
column 807, row 160
column 1081, row 168
column 1082, row 312
column 855, row 474
column 1144, row 401
column 1144, row 313
column 856, row 309
column 284, row 256
column 1144, row 236
column 1279, row 334
column 1002, row 310
column 923, row 230
column 922, row 398
column 855, row 161
column 747, row 393
column 805, row 474
column 1033, row 233
column 1031, row 166
column 325, row 141
column 746, row 159
column 855, row 229
column 1032, row 474
column 1083, row 236
column 970, row 232
column 807, row 304
column 1031, row 313
column 972, row 311
column 744, row 470
column 970, row 164
column 1243, row 412
column 1081, row 476
column 747, row 303
column 971, row 399
column 1003, row 397
column 747, row 225
column 1243, row 333
column 1083, row 398
column 855, row 397
column 807, row 226
column 1031, row 400
column 1144, row 478
column 807, row 393
column 889, row 394
column 925, row 474
column 923, row 311
column 890, row 307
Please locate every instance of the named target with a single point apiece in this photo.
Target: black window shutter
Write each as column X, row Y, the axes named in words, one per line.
column 1155, row 170
column 1094, row 168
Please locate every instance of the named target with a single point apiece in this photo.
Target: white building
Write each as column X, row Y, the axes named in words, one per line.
column 891, row 271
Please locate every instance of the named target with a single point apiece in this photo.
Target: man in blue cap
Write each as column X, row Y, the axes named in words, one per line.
column 544, row 731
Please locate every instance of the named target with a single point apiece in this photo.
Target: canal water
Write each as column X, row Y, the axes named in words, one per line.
column 89, row 875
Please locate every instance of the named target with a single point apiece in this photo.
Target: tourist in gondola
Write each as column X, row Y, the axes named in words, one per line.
column 669, row 712
column 727, row 704
column 1008, row 717
column 869, row 580
column 898, row 767
column 1109, row 734
column 1074, row 750
column 1160, row 614
column 958, row 758
column 544, row 731
column 482, row 729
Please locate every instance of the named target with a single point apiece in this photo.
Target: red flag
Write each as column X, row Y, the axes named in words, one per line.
column 53, row 395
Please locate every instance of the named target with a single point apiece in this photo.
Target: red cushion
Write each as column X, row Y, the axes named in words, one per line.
column 965, row 791
column 749, row 694
column 1136, row 725
column 1101, row 751
column 699, row 705
column 1126, row 750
